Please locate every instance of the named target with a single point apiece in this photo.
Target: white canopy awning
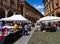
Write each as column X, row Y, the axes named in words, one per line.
column 50, row 18
column 15, row 18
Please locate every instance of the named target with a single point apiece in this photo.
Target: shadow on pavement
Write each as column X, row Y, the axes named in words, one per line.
column 10, row 39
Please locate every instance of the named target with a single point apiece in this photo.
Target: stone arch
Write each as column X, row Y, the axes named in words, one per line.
column 17, row 12
column 10, row 13
column 2, row 12
column 58, row 12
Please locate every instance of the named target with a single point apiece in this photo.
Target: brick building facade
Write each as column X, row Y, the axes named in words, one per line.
column 30, row 12
column 9, row 7
column 51, row 7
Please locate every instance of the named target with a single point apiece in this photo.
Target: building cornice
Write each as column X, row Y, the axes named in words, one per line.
column 33, row 8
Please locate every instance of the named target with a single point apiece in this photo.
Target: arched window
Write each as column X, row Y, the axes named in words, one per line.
column 10, row 13
column 12, row 3
column 2, row 13
column 52, row 14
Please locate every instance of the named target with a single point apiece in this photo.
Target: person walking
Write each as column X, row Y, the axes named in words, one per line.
column 23, row 29
column 26, row 27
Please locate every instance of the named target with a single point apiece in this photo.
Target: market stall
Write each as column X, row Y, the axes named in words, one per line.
column 47, row 22
column 8, row 32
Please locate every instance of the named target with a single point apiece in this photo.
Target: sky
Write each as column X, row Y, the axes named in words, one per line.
column 38, row 4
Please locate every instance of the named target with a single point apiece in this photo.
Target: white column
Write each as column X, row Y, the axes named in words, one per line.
column 6, row 11
column 14, row 13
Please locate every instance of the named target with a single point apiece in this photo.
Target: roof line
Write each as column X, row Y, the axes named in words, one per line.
column 33, row 8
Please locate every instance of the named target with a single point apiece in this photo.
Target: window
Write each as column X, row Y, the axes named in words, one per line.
column 57, row 2
column 22, row 0
column 52, row 4
column 27, row 11
column 18, row 3
column 1, row 2
column 4, row 2
column 12, row 3
column 26, row 16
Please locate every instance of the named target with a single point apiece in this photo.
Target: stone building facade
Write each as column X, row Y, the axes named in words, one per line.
column 9, row 7
column 30, row 12
column 51, row 7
